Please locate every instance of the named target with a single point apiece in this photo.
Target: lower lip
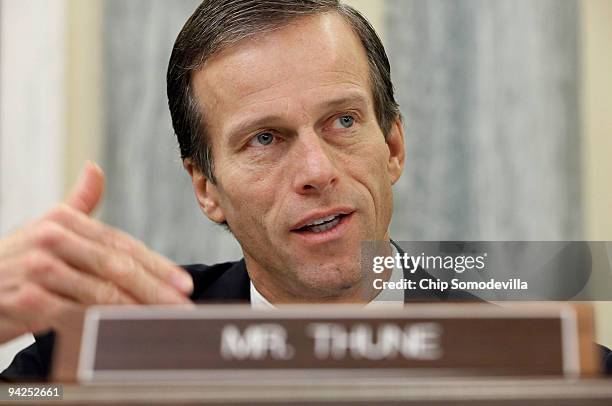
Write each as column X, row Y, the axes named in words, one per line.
column 328, row 235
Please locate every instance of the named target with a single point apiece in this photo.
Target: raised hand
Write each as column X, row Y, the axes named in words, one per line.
column 67, row 260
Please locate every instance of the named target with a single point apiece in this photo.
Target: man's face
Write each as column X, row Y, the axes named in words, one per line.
column 303, row 171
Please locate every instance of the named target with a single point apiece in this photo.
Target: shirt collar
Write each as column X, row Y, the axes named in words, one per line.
column 258, row 301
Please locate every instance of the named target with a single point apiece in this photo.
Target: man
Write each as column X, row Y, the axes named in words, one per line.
column 289, row 129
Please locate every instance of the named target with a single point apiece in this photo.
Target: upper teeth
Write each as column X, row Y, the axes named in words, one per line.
column 322, row 220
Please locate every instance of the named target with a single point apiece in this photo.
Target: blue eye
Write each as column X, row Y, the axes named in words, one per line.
column 345, row 121
column 263, row 139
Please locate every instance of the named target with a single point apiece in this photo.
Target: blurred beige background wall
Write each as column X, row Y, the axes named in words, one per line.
column 85, row 115
column 597, row 116
column 596, row 18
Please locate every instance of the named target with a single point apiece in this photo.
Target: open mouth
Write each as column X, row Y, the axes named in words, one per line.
column 321, row 225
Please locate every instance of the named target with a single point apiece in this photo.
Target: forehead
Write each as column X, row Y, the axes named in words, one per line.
column 302, row 62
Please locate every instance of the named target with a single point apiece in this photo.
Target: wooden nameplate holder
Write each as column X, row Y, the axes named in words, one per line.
column 144, row 344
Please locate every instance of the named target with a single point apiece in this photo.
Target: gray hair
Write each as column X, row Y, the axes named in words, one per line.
column 219, row 24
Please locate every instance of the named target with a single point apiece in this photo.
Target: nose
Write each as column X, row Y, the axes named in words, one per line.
column 314, row 167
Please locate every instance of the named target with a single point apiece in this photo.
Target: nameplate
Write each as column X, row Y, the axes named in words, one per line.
column 129, row 344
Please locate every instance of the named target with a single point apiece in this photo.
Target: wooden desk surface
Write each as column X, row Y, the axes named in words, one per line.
column 393, row 391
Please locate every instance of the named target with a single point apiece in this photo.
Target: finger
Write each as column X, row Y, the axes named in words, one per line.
column 84, row 197
column 114, row 266
column 97, row 231
column 34, row 307
column 88, row 189
column 57, row 277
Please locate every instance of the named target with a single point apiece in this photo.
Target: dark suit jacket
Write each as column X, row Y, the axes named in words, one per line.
column 222, row 283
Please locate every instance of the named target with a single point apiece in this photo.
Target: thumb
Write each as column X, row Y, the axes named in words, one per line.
column 88, row 189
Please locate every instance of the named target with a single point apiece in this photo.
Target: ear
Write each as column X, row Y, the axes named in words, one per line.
column 206, row 192
column 397, row 152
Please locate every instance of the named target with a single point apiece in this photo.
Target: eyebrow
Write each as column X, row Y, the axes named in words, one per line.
column 354, row 99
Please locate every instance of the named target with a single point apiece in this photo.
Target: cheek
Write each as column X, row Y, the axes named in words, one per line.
column 247, row 199
column 371, row 172
column 371, row 164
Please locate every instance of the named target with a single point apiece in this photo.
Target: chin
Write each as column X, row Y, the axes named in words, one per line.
column 329, row 281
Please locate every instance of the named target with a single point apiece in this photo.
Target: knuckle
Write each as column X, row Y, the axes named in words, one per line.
column 130, row 264
column 120, row 243
column 38, row 304
column 59, row 214
column 28, row 298
column 48, row 234
column 115, row 267
column 38, row 262
column 108, row 294
column 34, row 307
column 138, row 245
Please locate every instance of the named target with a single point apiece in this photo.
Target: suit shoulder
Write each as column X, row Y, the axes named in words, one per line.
column 208, row 271
column 227, row 281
